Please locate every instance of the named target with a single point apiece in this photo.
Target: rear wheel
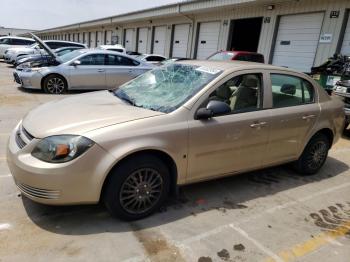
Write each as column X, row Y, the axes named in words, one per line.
column 55, row 84
column 314, row 155
column 137, row 187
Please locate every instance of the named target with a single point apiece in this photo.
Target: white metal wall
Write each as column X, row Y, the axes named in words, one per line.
column 223, row 15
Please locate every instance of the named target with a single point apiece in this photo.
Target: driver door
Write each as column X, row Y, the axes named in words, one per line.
column 90, row 74
column 232, row 142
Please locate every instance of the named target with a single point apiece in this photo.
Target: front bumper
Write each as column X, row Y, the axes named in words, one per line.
column 76, row 182
column 31, row 80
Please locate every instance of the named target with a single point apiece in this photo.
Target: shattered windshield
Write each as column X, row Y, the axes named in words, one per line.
column 166, row 88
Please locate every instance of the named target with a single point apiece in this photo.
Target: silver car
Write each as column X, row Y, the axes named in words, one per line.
column 81, row 69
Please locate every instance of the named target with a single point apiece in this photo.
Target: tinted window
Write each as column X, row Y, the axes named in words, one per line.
column 242, row 93
column 290, row 91
column 15, row 41
column 155, row 59
column 96, row 59
column 53, row 45
column 4, row 41
column 222, row 56
column 120, row 61
column 116, row 50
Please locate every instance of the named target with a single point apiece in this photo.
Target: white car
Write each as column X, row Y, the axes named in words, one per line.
column 116, row 48
column 12, row 54
column 7, row 42
column 152, row 58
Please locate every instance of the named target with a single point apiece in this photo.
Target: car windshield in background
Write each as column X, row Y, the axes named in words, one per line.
column 222, row 56
column 69, row 56
column 166, row 88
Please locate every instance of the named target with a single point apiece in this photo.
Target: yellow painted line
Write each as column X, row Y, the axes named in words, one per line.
column 311, row 245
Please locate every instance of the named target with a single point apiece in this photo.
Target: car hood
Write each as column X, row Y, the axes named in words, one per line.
column 82, row 113
column 44, row 46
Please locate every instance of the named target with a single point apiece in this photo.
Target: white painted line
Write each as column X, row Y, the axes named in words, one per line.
column 257, row 244
column 5, row 226
column 5, row 176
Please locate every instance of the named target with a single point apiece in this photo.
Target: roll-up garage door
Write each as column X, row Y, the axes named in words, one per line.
column 129, row 39
column 345, row 49
column 142, row 40
column 180, row 40
column 208, row 39
column 108, row 37
column 159, row 40
column 100, row 38
column 92, row 39
column 297, row 41
column 86, row 38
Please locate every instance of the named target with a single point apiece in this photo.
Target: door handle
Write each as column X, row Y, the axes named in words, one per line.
column 308, row 117
column 100, row 70
column 258, row 125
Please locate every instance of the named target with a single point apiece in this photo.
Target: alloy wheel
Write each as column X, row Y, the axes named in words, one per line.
column 317, row 155
column 55, row 85
column 141, row 191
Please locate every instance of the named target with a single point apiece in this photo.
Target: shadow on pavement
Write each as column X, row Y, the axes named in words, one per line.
column 221, row 194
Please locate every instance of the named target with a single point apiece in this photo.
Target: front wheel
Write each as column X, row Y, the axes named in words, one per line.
column 314, row 155
column 137, row 187
column 55, row 84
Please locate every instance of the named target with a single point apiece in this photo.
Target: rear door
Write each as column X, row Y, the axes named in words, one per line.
column 120, row 69
column 90, row 74
column 292, row 117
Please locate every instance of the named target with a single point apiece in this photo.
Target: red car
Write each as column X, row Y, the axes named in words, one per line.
column 237, row 55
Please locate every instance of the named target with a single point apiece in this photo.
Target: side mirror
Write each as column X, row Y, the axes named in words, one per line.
column 76, row 63
column 214, row 108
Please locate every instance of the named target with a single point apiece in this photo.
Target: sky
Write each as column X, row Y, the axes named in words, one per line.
column 43, row 14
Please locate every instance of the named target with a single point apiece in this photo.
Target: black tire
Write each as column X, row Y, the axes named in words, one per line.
column 55, row 84
column 122, row 184
column 314, row 155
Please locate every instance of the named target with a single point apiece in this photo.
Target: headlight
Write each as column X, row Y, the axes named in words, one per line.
column 60, row 149
column 32, row 69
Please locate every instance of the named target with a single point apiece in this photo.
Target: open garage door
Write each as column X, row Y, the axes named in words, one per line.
column 142, row 40
column 180, row 40
column 345, row 49
column 129, row 39
column 208, row 39
column 297, row 41
column 159, row 40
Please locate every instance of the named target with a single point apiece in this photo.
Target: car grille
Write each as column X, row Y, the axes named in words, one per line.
column 17, row 78
column 39, row 192
column 19, row 138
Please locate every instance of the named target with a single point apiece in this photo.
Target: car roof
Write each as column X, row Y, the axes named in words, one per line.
column 112, row 46
column 17, row 37
column 233, row 65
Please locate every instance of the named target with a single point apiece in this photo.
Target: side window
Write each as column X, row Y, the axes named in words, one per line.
column 290, row 91
column 155, row 59
column 96, row 59
column 243, row 93
column 4, row 41
column 120, row 61
column 53, row 45
column 28, row 42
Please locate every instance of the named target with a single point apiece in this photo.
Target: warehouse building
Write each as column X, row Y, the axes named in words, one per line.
column 291, row 33
column 4, row 31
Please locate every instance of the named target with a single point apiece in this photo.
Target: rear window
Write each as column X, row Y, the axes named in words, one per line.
column 222, row 56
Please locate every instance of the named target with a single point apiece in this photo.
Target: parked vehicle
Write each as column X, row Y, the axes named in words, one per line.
column 81, row 69
column 7, row 42
column 237, row 55
column 12, row 54
column 39, row 60
column 152, row 59
column 116, row 48
column 177, row 124
column 342, row 89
